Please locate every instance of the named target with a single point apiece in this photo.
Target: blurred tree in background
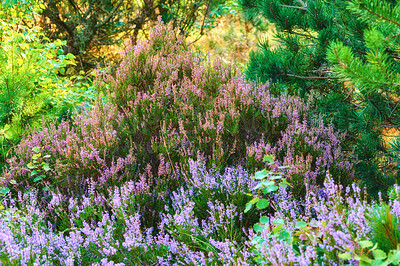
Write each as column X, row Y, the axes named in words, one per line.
column 345, row 53
column 89, row 24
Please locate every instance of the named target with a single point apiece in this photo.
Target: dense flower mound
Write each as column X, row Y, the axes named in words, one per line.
column 179, row 106
column 166, row 107
column 201, row 224
column 158, row 170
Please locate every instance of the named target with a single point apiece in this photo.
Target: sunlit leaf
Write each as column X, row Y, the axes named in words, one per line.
column 262, row 204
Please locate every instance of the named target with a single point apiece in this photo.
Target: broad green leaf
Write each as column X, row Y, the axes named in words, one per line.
column 270, row 189
column 265, row 183
column 261, row 174
column 278, row 221
column 46, row 167
column 31, row 166
column 365, row 244
column 4, row 191
column 345, row 256
column 269, row 159
column 258, row 228
column 37, row 179
column 36, row 149
column 379, row 254
column 275, row 177
column 264, row 220
column 254, row 200
column 364, row 258
column 301, row 224
column 7, row 135
column 262, row 204
column 394, row 256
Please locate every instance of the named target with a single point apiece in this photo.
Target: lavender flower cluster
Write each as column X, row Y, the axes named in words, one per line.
column 109, row 228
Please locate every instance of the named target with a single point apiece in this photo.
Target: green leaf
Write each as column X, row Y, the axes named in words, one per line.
column 34, row 172
column 364, row 258
column 264, row 220
column 46, row 167
column 262, row 204
column 36, row 149
column 278, row 221
column 4, row 191
column 258, row 228
column 37, row 179
column 31, row 166
column 265, row 183
column 270, row 189
column 36, row 156
column 345, row 256
column 276, row 176
column 301, row 224
column 7, row 135
column 365, row 244
column 254, row 200
column 270, row 159
column 248, row 207
column 379, row 254
column 261, row 174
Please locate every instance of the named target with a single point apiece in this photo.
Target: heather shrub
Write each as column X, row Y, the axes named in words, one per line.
column 179, row 106
column 87, row 151
column 167, row 107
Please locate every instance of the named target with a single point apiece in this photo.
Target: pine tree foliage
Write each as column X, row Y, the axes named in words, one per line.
column 346, row 53
column 304, row 30
column 374, row 79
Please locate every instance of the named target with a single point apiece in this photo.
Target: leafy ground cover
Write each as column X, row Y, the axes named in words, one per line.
column 180, row 160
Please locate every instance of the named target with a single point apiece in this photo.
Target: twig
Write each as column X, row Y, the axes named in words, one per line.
column 295, row 7
column 107, row 20
column 311, row 77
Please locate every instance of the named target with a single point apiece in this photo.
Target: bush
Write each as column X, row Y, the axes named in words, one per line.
column 178, row 106
column 31, row 81
column 88, row 151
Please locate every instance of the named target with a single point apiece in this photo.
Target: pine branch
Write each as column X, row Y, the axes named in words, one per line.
column 379, row 15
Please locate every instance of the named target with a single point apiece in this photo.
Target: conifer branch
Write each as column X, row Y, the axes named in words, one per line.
column 379, row 15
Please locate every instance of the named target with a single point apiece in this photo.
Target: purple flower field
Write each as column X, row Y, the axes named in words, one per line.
column 182, row 161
